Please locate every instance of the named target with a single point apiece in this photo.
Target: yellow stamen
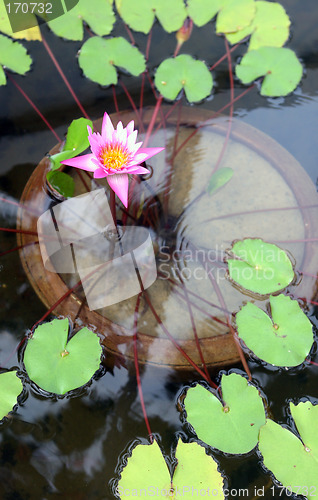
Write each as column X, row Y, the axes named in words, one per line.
column 114, row 157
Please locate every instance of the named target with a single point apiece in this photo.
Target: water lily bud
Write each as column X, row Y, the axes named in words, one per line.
column 184, row 32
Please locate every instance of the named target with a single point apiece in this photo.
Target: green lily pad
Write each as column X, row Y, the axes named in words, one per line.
column 146, row 470
column 260, row 267
column 76, row 142
column 10, row 388
column 62, row 183
column 57, row 365
column 98, row 14
column 285, row 339
column 183, row 72
column 269, row 28
column 202, row 11
column 14, row 57
column 235, row 15
column 280, row 67
column 219, row 179
column 140, row 14
column 232, row 428
column 98, row 58
column 294, row 462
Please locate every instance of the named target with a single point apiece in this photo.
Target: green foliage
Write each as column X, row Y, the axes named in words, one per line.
column 202, row 11
column 98, row 14
column 294, row 462
column 14, row 57
column 140, row 14
column 284, row 339
column 183, row 72
column 57, row 365
column 269, row 28
column 146, row 468
column 98, row 58
column 10, row 388
column 235, row 15
column 62, row 183
column 232, row 427
column 260, row 267
column 280, row 67
column 219, row 179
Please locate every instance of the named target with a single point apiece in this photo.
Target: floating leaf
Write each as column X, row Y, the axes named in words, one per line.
column 293, row 462
column 10, row 388
column 283, row 340
column 140, row 14
column 147, row 470
column 98, row 58
column 219, row 179
column 14, row 57
column 57, row 365
column 183, row 72
column 235, row 15
column 232, row 428
column 76, row 142
column 62, row 183
column 5, row 27
column 260, row 267
column 202, row 11
column 269, row 28
column 280, row 67
column 98, row 14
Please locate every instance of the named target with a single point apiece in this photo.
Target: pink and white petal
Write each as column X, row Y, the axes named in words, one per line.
column 131, row 139
column 89, row 130
column 130, row 127
column 119, row 184
column 99, row 173
column 138, row 159
column 107, row 127
column 135, row 148
column 96, row 143
column 137, row 170
column 84, row 162
column 149, row 152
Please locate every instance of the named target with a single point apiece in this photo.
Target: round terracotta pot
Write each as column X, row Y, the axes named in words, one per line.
column 288, row 213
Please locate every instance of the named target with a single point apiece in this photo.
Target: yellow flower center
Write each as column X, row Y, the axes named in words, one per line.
column 114, row 157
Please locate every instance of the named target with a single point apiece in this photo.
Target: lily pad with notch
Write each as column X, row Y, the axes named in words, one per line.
column 231, row 427
column 284, row 339
column 260, row 267
column 14, row 57
column 234, row 15
column 293, row 460
column 10, row 388
column 58, row 365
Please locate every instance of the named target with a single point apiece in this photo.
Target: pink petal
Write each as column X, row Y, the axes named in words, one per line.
column 149, row 152
column 99, row 173
column 130, row 127
column 137, row 170
column 119, row 184
column 84, row 162
column 96, row 142
column 107, row 127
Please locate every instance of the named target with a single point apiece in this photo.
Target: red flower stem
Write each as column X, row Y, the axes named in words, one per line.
column 115, row 99
column 152, row 121
column 18, row 248
column 141, row 396
column 130, row 34
column 20, row 205
column 141, row 100
column 34, row 107
column 83, row 180
column 311, row 362
column 112, row 203
column 223, row 57
column 65, row 80
column 19, row 231
column 133, row 105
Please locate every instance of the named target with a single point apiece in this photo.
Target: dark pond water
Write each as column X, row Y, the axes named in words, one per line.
column 70, row 447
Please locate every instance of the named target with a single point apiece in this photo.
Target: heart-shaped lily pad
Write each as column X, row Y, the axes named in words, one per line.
column 280, row 67
column 146, row 470
column 76, row 142
column 57, row 365
column 140, row 14
column 183, row 72
column 219, row 179
column 260, row 267
column 202, row 11
column 232, row 427
column 5, row 27
column 14, row 57
column 98, row 14
column 235, row 15
column 98, row 58
column 269, row 28
column 283, row 340
column 294, row 462
column 10, row 388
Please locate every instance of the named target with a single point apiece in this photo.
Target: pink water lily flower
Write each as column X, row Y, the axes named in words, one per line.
column 115, row 154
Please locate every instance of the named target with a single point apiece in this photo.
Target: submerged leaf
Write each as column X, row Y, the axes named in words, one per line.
column 260, row 267
column 269, row 28
column 293, row 462
column 14, row 57
column 232, row 428
column 180, row 72
column 280, row 67
column 98, row 58
column 10, row 388
column 140, row 14
column 98, row 14
column 62, row 183
column 284, row 340
column 57, row 365
column 219, row 179
column 76, row 142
